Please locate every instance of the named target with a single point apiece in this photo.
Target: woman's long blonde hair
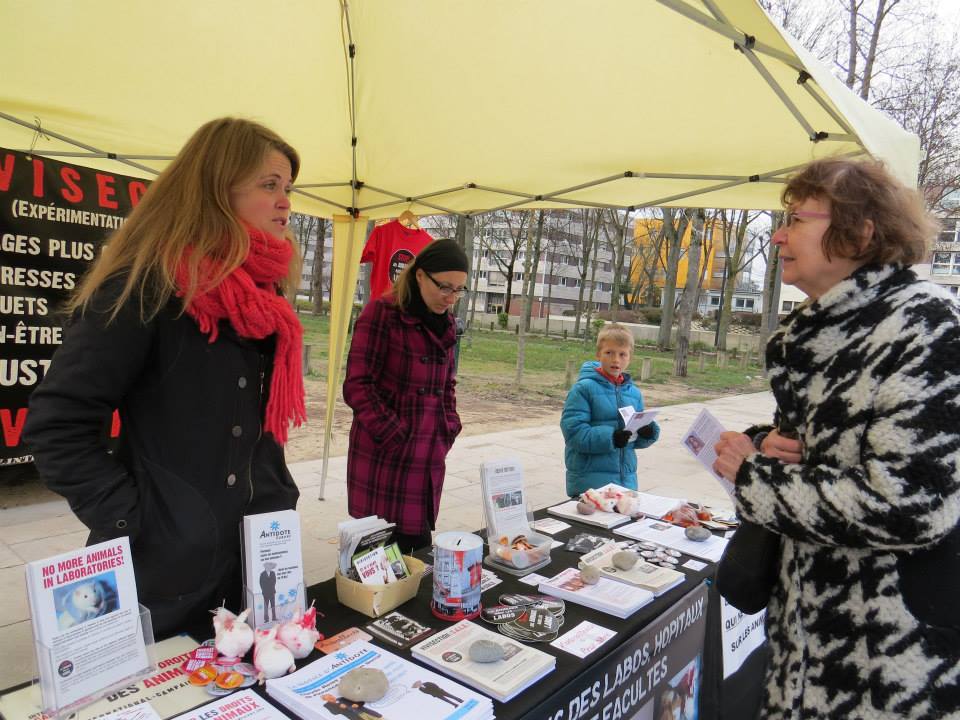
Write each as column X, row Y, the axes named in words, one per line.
column 187, row 207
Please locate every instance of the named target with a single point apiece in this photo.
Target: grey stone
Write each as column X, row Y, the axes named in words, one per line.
column 486, row 651
column 697, row 533
column 585, row 508
column 625, row 559
column 364, row 685
column 589, row 574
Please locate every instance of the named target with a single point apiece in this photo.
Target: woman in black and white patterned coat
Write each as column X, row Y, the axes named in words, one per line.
column 863, row 621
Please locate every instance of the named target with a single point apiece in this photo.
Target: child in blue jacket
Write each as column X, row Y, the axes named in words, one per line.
column 598, row 449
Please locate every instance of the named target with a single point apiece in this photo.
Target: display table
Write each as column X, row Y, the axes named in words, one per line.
column 662, row 641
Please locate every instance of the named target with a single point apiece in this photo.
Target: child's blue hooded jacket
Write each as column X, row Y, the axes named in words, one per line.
column 590, row 415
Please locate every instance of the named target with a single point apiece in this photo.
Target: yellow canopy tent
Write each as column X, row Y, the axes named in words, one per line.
column 442, row 105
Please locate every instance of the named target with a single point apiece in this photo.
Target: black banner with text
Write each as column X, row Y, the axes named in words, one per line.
column 54, row 219
column 656, row 674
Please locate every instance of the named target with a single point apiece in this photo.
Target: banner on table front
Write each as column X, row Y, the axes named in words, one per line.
column 54, row 218
column 656, row 673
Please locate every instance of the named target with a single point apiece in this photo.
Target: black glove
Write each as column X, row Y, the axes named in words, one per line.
column 646, row 432
column 621, row 438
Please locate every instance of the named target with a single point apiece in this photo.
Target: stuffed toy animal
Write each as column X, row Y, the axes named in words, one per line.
column 271, row 658
column 232, row 636
column 300, row 633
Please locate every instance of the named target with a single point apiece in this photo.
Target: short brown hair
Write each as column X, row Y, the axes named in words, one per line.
column 616, row 334
column 861, row 190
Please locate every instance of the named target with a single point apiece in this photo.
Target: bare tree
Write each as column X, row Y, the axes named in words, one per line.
column 316, row 277
column 531, row 261
column 691, row 290
column 590, row 229
column 674, row 228
column 615, row 223
column 736, row 241
column 505, row 252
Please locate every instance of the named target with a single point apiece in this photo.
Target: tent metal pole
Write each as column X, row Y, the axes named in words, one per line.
column 747, row 46
column 788, row 103
column 36, row 127
column 414, row 198
column 514, row 193
column 727, row 31
column 837, row 118
column 350, row 52
column 449, row 211
column 594, row 183
column 108, row 156
column 323, row 185
column 314, row 196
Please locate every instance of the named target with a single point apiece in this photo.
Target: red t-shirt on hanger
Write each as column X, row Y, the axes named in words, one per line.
column 390, row 248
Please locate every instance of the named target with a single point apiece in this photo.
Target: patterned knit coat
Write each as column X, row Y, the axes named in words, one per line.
column 862, row 624
column 400, row 383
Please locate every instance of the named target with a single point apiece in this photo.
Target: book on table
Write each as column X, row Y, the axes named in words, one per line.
column 643, row 574
column 242, row 705
column 398, row 630
column 86, row 623
column 609, row 596
column 449, row 652
column 415, row 692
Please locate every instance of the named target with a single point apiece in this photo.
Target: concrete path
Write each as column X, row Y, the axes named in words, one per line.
column 666, row 468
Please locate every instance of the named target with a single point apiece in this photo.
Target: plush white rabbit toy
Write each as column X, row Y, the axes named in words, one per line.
column 271, row 658
column 233, row 637
column 300, row 633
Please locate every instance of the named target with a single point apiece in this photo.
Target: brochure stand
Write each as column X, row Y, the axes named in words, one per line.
column 51, row 704
column 284, row 607
column 507, row 516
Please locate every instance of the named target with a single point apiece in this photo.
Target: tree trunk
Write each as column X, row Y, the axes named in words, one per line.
column 591, row 234
column 674, row 236
column 688, row 302
column 464, row 237
column 316, row 277
column 529, row 283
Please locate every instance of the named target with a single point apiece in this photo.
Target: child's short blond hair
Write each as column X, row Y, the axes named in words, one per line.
column 616, row 335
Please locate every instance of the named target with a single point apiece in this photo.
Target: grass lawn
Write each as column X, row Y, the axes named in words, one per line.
column 488, row 362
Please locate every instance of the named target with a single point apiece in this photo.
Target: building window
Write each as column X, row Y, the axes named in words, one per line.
column 948, row 233
column 954, row 290
column 789, row 305
column 715, row 301
column 743, row 303
column 945, row 263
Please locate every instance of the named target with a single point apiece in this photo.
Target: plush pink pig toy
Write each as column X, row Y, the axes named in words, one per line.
column 233, row 637
column 300, row 633
column 271, row 658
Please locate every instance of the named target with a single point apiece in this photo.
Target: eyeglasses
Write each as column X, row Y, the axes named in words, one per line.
column 794, row 214
column 446, row 290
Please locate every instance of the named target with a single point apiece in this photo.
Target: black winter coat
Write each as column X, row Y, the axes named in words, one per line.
column 192, row 459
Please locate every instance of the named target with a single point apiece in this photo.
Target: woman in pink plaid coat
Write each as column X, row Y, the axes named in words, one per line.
column 400, row 384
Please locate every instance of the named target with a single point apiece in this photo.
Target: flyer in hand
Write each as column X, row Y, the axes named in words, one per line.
column 273, row 567
column 449, row 652
column 414, row 692
column 86, row 622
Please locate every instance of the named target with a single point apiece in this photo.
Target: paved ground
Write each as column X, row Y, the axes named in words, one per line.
column 44, row 529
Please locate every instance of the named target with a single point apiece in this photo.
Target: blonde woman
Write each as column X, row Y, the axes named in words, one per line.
column 181, row 325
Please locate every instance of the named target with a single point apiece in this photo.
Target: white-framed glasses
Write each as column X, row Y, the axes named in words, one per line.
column 446, row 290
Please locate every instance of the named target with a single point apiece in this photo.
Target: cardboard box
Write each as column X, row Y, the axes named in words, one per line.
column 377, row 600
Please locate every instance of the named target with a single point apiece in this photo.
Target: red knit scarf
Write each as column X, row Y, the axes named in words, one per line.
column 247, row 299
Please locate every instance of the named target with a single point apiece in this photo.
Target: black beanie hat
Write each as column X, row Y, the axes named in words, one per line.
column 442, row 256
